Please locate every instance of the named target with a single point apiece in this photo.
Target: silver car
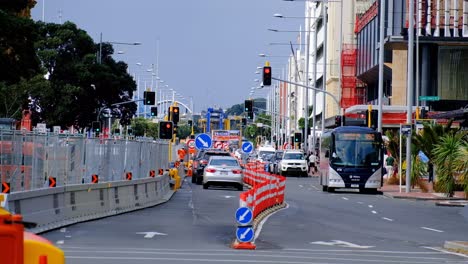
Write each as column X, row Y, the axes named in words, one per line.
column 223, row 170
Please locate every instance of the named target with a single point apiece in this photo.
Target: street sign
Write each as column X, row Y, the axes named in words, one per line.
column 247, row 147
column 218, row 145
column 191, row 144
column 406, row 129
column 245, row 234
column 429, row 98
column 286, row 145
column 203, row 141
column 244, row 216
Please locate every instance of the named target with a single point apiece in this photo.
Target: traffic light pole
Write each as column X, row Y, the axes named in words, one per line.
column 315, row 89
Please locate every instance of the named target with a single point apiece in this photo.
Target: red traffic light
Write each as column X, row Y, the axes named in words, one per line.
column 266, row 70
column 168, row 125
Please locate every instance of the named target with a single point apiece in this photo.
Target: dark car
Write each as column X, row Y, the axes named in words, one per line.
column 201, row 160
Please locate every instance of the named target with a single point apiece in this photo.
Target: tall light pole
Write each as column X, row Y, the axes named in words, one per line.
column 409, row 92
column 381, row 63
column 113, row 42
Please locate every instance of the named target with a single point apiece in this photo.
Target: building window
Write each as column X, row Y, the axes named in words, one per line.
column 452, row 77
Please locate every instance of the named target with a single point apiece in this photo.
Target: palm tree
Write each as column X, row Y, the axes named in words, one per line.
column 461, row 163
column 449, row 161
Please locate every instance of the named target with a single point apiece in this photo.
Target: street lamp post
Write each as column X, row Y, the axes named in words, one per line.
column 113, row 42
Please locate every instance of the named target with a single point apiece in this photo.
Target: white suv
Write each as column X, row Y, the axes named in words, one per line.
column 293, row 162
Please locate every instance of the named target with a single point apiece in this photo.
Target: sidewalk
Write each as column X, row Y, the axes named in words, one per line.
column 440, row 199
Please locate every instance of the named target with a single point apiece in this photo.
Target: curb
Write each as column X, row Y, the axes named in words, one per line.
column 386, row 194
column 452, row 204
column 457, row 246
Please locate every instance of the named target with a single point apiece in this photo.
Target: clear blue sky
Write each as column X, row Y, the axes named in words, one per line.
column 208, row 49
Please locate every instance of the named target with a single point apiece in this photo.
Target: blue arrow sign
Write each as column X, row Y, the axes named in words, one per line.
column 247, row 147
column 203, row 141
column 244, row 216
column 245, row 234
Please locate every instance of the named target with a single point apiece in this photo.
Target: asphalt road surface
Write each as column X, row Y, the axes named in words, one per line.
column 198, row 226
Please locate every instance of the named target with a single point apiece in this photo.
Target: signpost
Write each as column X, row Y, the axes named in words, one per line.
column 203, row 141
column 244, row 216
column 429, row 98
column 247, row 147
column 405, row 129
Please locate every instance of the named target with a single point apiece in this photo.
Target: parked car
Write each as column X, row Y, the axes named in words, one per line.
column 293, row 162
column 201, row 161
column 223, row 170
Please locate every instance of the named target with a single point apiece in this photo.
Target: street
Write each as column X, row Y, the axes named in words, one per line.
column 198, row 225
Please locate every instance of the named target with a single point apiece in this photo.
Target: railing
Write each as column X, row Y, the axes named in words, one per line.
column 29, row 161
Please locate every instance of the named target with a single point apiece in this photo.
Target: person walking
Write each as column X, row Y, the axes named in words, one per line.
column 313, row 162
column 389, row 162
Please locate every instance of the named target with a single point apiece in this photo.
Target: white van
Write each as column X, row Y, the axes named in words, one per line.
column 263, row 151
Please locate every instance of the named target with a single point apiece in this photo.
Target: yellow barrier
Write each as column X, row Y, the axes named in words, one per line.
column 38, row 250
column 174, row 174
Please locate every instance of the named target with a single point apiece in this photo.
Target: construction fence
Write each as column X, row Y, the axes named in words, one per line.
column 31, row 161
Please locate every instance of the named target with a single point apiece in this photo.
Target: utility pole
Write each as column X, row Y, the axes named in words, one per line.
column 409, row 92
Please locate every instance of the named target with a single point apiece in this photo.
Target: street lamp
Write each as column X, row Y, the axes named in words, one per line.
column 113, row 42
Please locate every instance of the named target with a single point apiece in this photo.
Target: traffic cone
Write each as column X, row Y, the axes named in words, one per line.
column 189, row 172
column 243, row 245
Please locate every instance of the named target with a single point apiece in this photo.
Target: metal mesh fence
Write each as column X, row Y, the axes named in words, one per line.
column 29, row 160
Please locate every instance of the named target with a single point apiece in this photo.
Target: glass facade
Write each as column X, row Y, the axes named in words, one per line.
column 452, row 73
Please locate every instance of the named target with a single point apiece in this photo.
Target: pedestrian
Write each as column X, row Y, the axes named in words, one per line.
column 389, row 163
column 313, row 162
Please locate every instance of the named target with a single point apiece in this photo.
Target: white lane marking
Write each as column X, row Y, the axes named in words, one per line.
column 60, row 242
column 432, row 229
column 228, row 196
column 374, row 212
column 344, row 198
column 260, row 225
column 315, row 187
column 388, row 219
column 63, row 230
column 447, row 252
column 300, row 185
column 371, row 206
column 340, row 244
column 68, row 236
column 360, row 202
column 151, row 234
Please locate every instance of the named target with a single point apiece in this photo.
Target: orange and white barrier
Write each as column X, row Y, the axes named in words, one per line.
column 268, row 190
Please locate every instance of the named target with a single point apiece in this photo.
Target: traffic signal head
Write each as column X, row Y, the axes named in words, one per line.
column 267, row 75
column 248, row 105
column 250, row 115
column 297, row 137
column 149, row 98
column 372, row 118
column 244, row 121
column 154, row 111
column 96, row 126
column 190, row 122
column 338, row 120
column 166, row 129
column 175, row 114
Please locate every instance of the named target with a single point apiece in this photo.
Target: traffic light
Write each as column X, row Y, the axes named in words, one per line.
column 96, row 125
column 244, row 121
column 372, row 118
column 149, row 98
column 423, row 114
column 297, row 137
column 166, row 129
column 248, row 105
column 267, row 75
column 190, row 122
column 175, row 114
column 154, row 111
column 250, row 115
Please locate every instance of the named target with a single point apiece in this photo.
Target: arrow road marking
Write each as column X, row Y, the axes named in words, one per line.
column 340, row 244
column 151, row 234
column 205, row 144
column 244, row 215
column 243, row 235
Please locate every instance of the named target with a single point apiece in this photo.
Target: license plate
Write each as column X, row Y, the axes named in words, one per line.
column 223, row 173
column 354, row 185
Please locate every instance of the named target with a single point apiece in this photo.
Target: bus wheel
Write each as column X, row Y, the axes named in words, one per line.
column 324, row 188
column 331, row 189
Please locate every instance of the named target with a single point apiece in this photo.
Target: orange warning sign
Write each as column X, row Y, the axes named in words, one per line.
column 52, row 182
column 128, row 176
column 94, row 178
column 152, row 173
column 5, row 187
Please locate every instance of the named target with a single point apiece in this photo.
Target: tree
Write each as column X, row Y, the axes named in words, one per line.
column 144, row 128
column 235, row 110
column 79, row 86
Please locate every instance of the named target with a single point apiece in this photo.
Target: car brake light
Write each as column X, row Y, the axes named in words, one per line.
column 237, row 171
column 210, row 170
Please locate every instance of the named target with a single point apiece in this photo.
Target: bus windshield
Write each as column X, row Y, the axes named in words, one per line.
column 356, row 150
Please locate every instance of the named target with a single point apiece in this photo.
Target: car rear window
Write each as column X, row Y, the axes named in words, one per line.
column 209, row 154
column 295, row 156
column 226, row 162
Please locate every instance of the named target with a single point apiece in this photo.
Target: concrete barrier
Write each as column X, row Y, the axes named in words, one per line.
column 56, row 207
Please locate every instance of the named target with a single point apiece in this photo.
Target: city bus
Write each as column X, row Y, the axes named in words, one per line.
column 351, row 157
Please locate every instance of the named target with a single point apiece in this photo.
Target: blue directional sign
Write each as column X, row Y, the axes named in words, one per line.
column 203, row 141
column 245, row 234
column 247, row 147
column 244, row 216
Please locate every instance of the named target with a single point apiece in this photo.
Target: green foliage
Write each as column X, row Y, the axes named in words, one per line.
column 251, row 132
column 184, row 131
column 144, row 128
column 447, row 154
column 235, row 110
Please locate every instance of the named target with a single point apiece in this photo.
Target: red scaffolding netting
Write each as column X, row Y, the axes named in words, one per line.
column 352, row 89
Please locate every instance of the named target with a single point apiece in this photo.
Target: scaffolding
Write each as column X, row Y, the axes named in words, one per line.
column 353, row 90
